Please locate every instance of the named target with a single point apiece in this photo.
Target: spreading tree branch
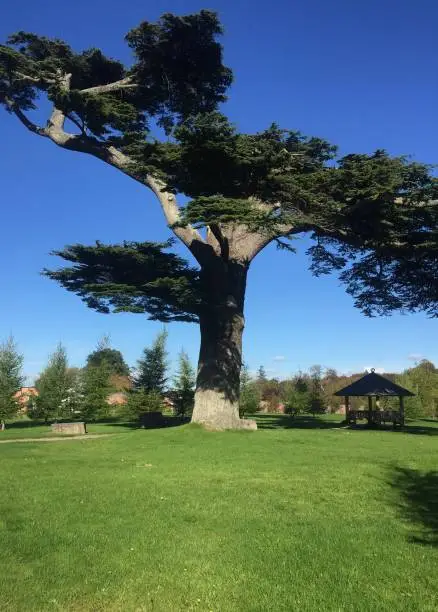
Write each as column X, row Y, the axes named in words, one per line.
column 32, row 127
column 125, row 83
column 54, row 130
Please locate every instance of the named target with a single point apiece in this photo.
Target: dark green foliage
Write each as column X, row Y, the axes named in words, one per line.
column 141, row 402
column 372, row 218
column 178, row 66
column 96, row 387
column 152, row 368
column 316, row 400
column 296, row 399
column 177, row 71
column 296, row 393
column 383, row 235
column 53, row 387
column 112, row 357
column 261, row 375
column 213, row 160
column 11, row 378
column 132, row 277
column 184, row 386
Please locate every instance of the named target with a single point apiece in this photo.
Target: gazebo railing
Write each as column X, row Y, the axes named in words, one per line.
column 376, row 416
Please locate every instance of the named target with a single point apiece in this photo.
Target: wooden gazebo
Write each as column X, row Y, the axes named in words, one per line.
column 374, row 386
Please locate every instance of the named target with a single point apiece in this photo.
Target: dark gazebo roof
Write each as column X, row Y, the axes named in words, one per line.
column 373, row 384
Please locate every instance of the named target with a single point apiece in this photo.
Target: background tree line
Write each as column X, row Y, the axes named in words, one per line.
column 313, row 391
column 66, row 392
column 104, row 388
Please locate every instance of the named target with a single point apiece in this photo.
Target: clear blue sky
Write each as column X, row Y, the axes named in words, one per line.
column 361, row 74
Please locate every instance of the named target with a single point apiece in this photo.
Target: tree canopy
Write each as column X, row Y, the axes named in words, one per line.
column 11, row 379
column 372, row 217
column 111, row 357
column 151, row 376
column 53, row 386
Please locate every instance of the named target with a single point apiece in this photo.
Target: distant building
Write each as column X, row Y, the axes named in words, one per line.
column 23, row 396
column 117, row 399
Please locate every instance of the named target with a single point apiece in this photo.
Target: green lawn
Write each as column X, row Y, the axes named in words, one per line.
column 302, row 515
column 28, row 429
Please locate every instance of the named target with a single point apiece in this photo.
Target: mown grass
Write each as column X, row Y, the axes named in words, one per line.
column 28, row 429
column 300, row 515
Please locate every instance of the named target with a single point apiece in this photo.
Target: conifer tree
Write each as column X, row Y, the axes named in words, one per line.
column 184, row 385
column 152, row 367
column 113, row 357
column 96, row 387
column 53, row 385
column 11, row 379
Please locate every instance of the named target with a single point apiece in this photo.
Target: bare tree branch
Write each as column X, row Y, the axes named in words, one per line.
column 217, row 240
column 187, row 234
column 26, row 77
column 57, row 118
column 32, row 127
column 112, row 156
column 125, row 83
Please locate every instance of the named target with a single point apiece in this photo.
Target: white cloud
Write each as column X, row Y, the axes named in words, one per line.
column 415, row 357
column 279, row 358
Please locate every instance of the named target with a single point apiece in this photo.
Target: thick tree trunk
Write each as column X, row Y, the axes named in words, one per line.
column 220, row 356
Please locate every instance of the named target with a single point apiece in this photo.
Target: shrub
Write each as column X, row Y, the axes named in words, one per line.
column 141, row 402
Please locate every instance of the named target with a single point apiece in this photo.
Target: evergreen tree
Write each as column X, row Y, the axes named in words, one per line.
column 152, row 368
column 96, row 387
column 261, row 375
column 370, row 217
column 184, row 385
column 11, row 379
column 52, row 386
column 296, row 402
column 111, row 356
column 95, row 383
column 141, row 402
column 317, row 402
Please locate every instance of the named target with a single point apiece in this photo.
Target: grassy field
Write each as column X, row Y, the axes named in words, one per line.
column 28, row 429
column 301, row 515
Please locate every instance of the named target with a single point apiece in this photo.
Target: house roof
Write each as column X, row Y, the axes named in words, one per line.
column 374, row 384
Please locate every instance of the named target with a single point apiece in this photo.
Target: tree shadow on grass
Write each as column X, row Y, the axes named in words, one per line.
column 166, row 422
column 307, row 421
column 417, row 502
column 25, row 424
column 284, row 421
column 419, row 430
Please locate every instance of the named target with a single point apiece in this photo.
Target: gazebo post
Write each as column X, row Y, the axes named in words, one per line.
column 370, row 410
column 402, row 410
column 347, row 408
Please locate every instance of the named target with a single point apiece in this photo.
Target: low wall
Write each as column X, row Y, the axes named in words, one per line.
column 69, row 428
